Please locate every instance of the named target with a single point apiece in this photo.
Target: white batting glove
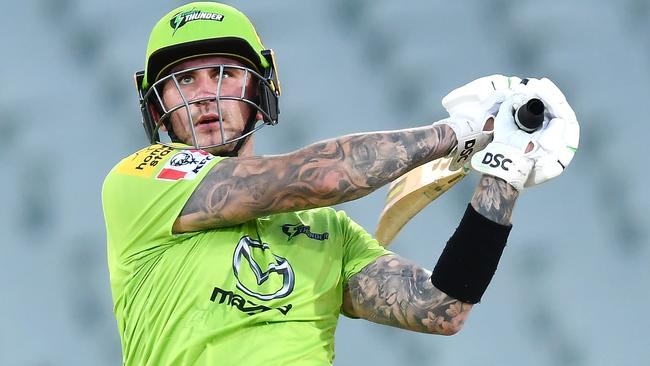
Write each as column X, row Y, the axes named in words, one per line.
column 469, row 107
column 524, row 159
column 557, row 142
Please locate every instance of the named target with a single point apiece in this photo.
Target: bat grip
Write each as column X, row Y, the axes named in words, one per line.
column 530, row 115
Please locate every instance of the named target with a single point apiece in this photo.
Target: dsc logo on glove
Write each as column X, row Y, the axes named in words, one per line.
column 496, row 160
column 467, row 151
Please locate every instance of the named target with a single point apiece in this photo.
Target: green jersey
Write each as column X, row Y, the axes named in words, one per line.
column 266, row 292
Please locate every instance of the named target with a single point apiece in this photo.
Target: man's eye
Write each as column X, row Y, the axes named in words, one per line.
column 225, row 75
column 185, row 79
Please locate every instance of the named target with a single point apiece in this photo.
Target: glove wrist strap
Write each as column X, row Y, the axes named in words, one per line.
column 505, row 162
column 469, row 141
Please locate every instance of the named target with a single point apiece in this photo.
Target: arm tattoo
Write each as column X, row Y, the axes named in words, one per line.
column 397, row 292
column 322, row 174
column 495, row 199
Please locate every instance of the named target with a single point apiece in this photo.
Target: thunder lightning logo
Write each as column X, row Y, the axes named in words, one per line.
column 187, row 16
column 293, row 230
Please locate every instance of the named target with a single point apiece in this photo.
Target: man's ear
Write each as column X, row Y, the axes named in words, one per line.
column 156, row 117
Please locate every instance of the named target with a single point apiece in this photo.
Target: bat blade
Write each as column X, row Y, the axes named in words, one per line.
column 411, row 192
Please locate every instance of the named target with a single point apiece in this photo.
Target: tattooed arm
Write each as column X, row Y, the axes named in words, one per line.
column 395, row 291
column 323, row 174
column 495, row 199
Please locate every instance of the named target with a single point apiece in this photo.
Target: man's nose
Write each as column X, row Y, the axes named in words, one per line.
column 206, row 87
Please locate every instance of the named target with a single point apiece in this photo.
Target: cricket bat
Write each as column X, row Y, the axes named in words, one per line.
column 410, row 193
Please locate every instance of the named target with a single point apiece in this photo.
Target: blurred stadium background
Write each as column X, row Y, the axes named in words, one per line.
column 573, row 286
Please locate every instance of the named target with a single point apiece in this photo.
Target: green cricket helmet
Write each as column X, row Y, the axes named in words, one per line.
column 206, row 29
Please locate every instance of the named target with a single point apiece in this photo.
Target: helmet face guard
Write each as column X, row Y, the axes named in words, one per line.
column 206, row 29
column 256, row 91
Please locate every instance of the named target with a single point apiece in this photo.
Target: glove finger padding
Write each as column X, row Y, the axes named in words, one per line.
column 557, row 141
column 469, row 107
column 477, row 92
column 556, row 146
column 505, row 157
column 523, row 159
column 554, row 100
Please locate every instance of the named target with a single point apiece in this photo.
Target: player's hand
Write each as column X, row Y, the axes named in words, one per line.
column 557, row 142
column 524, row 159
column 470, row 107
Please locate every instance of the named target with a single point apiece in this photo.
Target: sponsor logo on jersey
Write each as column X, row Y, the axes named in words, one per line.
column 185, row 164
column 187, row 16
column 226, row 297
column 295, row 230
column 144, row 162
column 244, row 264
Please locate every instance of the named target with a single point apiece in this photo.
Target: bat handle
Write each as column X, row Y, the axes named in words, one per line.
column 529, row 116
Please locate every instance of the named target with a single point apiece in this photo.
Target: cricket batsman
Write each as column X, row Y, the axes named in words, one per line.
column 219, row 256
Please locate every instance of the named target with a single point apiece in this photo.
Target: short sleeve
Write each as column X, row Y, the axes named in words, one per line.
column 143, row 195
column 360, row 248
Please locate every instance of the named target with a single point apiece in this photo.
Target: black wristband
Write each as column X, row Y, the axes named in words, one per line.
column 470, row 258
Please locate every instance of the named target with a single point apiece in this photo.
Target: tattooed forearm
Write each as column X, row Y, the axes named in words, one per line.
column 377, row 158
column 322, row 174
column 495, row 199
column 397, row 292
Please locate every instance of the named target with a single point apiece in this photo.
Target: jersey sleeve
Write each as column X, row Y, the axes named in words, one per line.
column 360, row 248
column 143, row 195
